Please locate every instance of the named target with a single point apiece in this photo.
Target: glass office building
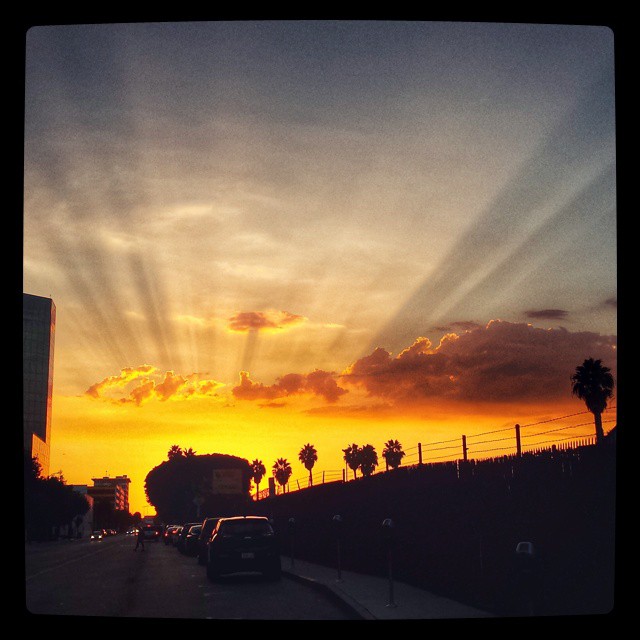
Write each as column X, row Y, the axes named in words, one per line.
column 38, row 334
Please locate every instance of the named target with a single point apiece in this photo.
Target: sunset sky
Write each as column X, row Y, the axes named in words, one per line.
column 259, row 235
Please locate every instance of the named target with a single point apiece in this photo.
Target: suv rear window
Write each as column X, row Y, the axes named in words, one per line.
column 244, row 527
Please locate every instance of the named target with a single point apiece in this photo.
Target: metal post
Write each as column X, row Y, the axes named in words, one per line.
column 292, row 526
column 387, row 533
column 338, row 524
column 419, row 452
column 518, row 443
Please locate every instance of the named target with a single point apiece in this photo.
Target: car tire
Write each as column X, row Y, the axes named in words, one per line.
column 274, row 573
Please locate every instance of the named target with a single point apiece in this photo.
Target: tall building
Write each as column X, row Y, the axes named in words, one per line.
column 38, row 337
column 115, row 491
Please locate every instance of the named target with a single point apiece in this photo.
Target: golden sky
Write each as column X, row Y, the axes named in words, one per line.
column 263, row 234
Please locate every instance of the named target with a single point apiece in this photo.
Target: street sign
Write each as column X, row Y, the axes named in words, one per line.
column 227, row 481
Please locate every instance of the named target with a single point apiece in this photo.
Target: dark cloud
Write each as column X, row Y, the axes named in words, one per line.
column 260, row 320
column 319, row 383
column 460, row 325
column 547, row 314
column 501, row 362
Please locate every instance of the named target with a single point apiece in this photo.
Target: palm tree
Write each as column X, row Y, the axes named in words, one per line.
column 189, row 453
column 308, row 456
column 257, row 473
column 282, row 471
column 352, row 457
column 368, row 459
column 593, row 383
column 174, row 452
column 393, row 453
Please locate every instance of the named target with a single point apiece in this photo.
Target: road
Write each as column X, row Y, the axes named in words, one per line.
column 107, row 578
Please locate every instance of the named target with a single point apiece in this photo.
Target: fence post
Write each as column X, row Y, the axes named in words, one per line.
column 518, row 443
column 419, row 452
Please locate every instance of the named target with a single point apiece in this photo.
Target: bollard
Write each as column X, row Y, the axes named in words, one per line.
column 337, row 521
column 388, row 539
column 526, row 577
column 292, row 526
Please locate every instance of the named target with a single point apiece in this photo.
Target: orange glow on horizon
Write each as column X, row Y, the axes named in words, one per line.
column 93, row 439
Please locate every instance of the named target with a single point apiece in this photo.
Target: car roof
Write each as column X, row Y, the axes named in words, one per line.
column 250, row 518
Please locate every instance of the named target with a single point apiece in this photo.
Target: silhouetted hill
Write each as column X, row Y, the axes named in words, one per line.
column 457, row 527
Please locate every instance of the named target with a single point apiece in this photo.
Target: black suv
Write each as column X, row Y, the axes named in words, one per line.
column 243, row 543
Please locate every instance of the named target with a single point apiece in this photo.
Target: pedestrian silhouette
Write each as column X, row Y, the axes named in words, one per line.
column 139, row 540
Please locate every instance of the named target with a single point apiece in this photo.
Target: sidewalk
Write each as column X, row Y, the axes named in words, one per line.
column 374, row 598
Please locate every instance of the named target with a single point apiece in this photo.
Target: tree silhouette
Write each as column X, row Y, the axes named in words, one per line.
column 174, row 452
column 368, row 459
column 281, row 471
column 308, row 456
column 393, row 453
column 172, row 486
column 258, row 471
column 49, row 503
column 189, row 453
column 352, row 457
column 593, row 383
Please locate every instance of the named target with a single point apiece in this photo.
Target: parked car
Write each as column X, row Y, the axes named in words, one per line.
column 243, row 544
column 175, row 534
column 208, row 526
column 191, row 540
column 152, row 532
column 98, row 534
column 168, row 531
column 182, row 536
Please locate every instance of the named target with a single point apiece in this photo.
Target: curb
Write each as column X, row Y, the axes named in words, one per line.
column 333, row 593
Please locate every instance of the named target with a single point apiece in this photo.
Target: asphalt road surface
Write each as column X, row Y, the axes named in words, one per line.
column 108, row 578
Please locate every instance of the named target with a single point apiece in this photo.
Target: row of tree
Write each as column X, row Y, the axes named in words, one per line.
column 591, row 382
column 363, row 458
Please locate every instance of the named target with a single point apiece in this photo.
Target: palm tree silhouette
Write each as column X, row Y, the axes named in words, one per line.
column 175, row 451
column 593, row 383
column 352, row 457
column 368, row 459
column 257, row 473
column 308, row 456
column 393, row 453
column 189, row 453
column 281, row 471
